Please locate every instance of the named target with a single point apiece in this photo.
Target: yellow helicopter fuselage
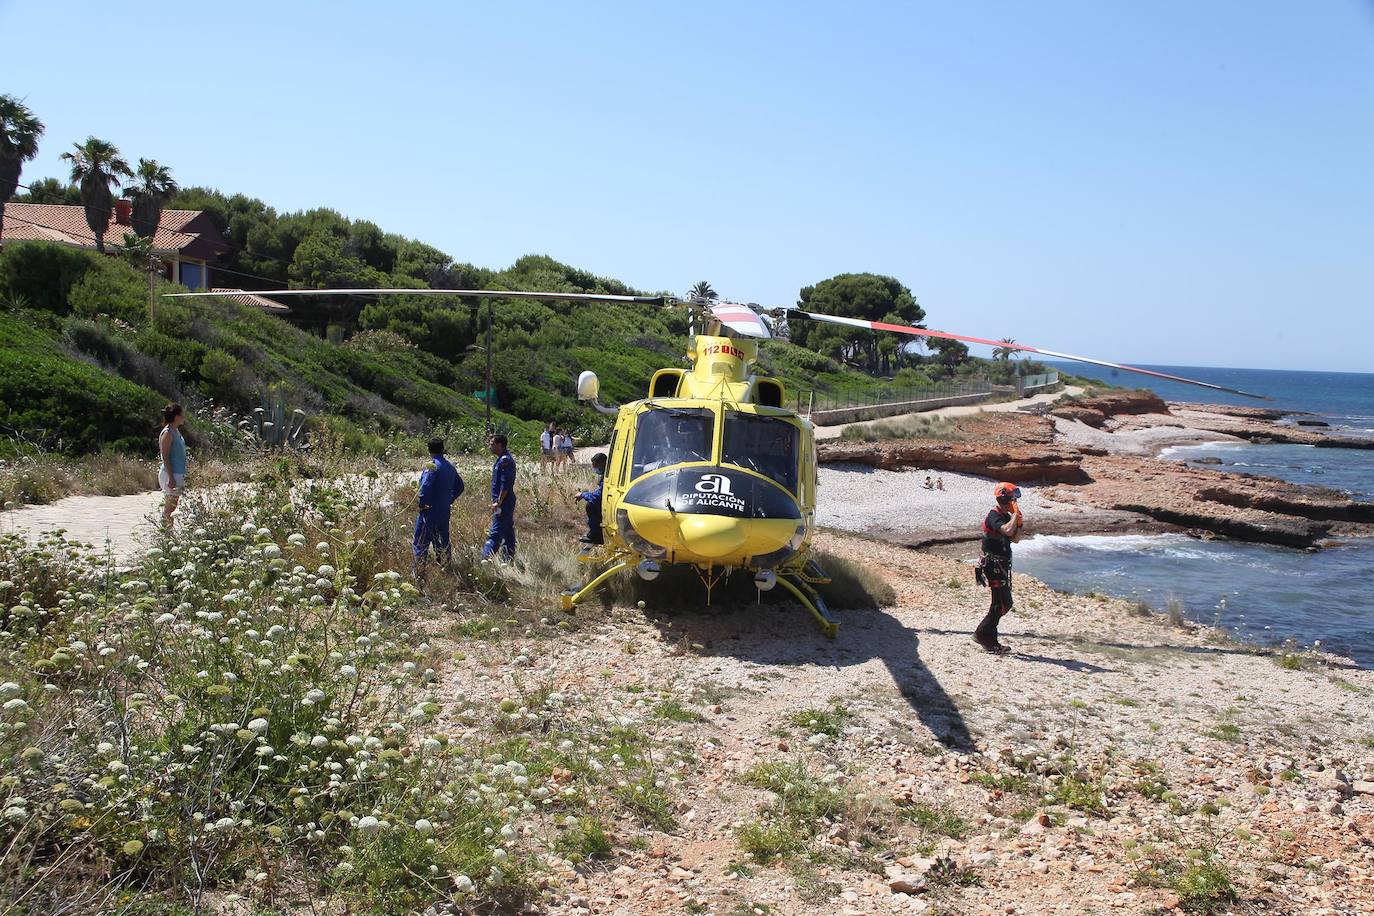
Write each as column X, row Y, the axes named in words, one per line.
column 710, row 470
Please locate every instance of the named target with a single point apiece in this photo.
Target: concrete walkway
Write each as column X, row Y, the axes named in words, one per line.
column 963, row 410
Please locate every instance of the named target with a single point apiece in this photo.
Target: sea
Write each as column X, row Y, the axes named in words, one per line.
column 1263, row 594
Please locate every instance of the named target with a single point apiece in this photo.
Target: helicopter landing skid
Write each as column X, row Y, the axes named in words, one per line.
column 814, row 604
column 571, row 598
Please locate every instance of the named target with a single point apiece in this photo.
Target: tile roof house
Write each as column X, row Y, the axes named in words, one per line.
column 187, row 240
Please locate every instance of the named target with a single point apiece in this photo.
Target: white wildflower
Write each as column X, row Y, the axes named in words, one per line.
column 369, row 825
column 423, row 826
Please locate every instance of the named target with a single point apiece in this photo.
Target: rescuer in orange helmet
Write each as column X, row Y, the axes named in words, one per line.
column 1002, row 524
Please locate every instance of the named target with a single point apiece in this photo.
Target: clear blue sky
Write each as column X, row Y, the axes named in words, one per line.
column 1173, row 182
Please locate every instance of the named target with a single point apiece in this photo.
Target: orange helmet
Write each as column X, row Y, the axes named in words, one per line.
column 1006, row 492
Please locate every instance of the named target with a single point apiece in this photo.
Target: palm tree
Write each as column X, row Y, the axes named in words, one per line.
column 1007, row 351
column 19, row 133
column 155, row 185
column 702, row 291
column 96, row 165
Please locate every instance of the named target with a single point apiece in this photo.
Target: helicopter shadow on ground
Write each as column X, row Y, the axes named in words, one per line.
column 780, row 633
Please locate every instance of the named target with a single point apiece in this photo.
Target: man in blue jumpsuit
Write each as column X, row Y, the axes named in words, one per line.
column 440, row 485
column 502, row 534
column 593, row 500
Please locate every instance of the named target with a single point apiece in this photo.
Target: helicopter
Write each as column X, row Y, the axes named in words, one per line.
column 710, row 470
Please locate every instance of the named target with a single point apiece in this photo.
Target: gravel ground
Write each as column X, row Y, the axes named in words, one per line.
column 1194, row 745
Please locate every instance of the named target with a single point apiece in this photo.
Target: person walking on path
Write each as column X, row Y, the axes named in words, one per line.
column 1002, row 524
column 502, row 534
column 171, row 474
column 547, row 455
column 558, row 443
column 440, row 485
column 593, row 500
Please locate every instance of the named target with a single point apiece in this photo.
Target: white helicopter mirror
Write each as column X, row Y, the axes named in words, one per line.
column 588, row 386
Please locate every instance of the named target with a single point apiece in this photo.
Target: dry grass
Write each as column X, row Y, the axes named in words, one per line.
column 37, row 479
column 915, row 426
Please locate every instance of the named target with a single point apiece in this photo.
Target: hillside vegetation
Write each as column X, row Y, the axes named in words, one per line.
column 88, row 360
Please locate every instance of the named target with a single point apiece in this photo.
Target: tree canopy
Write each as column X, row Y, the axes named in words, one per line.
column 96, row 166
column 868, row 296
column 19, row 133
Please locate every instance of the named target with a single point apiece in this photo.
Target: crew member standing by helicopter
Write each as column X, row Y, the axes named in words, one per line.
column 593, row 500
column 502, row 534
column 1002, row 524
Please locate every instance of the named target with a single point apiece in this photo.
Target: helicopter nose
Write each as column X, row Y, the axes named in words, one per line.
column 711, row 535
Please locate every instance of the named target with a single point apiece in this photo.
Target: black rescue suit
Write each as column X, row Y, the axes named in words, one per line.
column 996, row 569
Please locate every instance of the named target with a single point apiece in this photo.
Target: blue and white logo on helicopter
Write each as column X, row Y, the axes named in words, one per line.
column 716, row 492
column 714, row 483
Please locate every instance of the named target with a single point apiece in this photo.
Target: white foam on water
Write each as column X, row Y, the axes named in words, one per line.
column 1174, row 546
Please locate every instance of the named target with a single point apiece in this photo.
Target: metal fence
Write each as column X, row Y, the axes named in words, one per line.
column 1036, row 381
column 809, row 402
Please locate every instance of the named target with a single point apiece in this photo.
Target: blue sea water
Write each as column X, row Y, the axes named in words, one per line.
column 1266, row 594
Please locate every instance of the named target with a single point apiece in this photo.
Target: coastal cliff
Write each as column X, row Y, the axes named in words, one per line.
column 1098, row 454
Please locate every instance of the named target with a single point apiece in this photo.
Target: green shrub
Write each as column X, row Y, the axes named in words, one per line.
column 65, row 404
column 43, row 273
column 99, row 340
column 768, row 842
column 217, row 370
column 110, row 287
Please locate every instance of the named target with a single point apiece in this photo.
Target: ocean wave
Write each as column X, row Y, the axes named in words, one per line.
column 1170, row 452
column 1174, row 546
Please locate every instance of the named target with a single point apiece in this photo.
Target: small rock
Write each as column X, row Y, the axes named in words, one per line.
column 907, row 884
column 1333, row 780
column 849, row 897
column 980, row 859
column 1362, row 787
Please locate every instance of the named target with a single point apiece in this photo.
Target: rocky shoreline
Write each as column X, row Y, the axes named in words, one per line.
column 1100, row 456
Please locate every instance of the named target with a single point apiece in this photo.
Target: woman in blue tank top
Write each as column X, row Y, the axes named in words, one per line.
column 171, row 475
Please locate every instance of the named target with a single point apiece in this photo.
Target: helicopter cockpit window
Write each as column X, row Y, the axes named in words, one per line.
column 768, row 445
column 665, row 436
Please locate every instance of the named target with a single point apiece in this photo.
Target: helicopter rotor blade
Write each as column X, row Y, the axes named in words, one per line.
column 467, row 293
column 944, row 335
column 744, row 319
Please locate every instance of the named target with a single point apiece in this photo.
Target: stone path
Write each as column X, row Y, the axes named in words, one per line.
column 121, row 523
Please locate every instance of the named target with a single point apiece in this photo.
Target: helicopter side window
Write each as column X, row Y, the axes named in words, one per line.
column 666, row 436
column 768, row 445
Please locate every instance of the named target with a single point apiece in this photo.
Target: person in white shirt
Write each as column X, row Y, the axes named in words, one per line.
column 546, row 447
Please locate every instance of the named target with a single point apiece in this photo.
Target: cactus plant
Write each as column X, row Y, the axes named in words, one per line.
column 271, row 425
